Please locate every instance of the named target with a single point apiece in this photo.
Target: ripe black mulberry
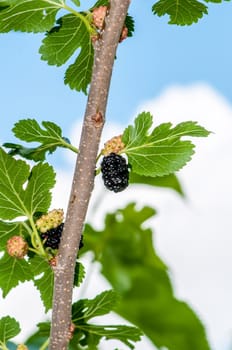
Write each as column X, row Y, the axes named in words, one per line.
column 52, row 237
column 115, row 172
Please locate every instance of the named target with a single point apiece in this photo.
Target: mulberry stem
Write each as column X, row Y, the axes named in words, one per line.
column 35, row 239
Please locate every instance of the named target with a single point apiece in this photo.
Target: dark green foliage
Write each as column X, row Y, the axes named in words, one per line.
column 79, row 274
column 130, row 24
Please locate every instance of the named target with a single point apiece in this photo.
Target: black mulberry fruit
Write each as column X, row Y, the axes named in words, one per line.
column 51, row 238
column 115, row 172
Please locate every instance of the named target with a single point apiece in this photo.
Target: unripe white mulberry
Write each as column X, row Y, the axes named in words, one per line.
column 22, row 347
column 17, row 247
column 99, row 14
column 114, row 145
column 72, row 328
column 124, row 34
column 50, row 220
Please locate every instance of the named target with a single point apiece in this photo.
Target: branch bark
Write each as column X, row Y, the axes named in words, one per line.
column 83, row 180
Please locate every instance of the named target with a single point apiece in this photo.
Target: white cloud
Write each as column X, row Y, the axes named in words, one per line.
column 193, row 235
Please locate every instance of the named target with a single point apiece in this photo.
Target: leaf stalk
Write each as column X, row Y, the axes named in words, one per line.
column 82, row 18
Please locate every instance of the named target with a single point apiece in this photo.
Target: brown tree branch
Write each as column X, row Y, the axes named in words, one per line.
column 83, row 180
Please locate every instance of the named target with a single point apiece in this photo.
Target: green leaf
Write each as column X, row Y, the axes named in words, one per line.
column 70, row 34
column 13, row 174
column 37, row 194
column 161, row 152
column 76, row 2
column 130, row 24
column 32, row 153
column 100, row 3
column 43, row 280
column 130, row 264
column 169, row 181
column 79, row 274
column 14, row 199
column 29, row 15
column 126, row 334
column 13, row 271
column 9, row 328
column 37, row 339
column 29, row 130
column 4, row 4
column 85, row 309
column 181, row 12
column 89, row 334
column 44, row 328
column 10, row 229
column 78, row 75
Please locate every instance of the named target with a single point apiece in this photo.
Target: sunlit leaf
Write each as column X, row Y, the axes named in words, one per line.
column 9, row 328
column 29, row 15
column 162, row 151
column 14, row 199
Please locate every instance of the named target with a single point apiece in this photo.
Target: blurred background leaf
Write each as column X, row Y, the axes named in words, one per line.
column 168, row 181
column 129, row 262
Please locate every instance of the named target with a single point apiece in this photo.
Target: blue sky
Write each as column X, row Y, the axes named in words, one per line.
column 157, row 57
